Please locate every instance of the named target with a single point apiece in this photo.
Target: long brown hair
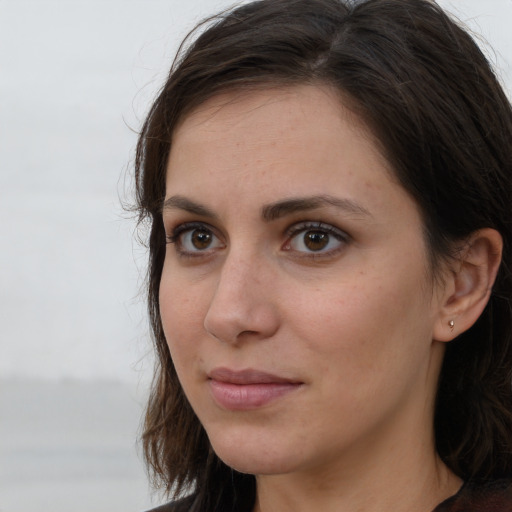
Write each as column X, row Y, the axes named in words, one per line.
column 432, row 101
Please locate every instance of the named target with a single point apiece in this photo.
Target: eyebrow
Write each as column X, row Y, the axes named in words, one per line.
column 182, row 203
column 300, row 204
column 275, row 210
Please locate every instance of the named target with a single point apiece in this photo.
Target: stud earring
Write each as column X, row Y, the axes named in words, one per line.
column 451, row 323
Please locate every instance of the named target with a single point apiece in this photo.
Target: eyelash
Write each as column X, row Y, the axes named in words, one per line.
column 291, row 233
column 327, row 229
column 180, row 230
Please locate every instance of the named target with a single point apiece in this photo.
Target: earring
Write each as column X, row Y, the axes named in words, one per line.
column 451, row 323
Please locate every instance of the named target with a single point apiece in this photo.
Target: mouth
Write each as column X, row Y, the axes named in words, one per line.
column 248, row 389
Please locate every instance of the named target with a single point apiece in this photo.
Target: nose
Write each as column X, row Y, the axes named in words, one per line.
column 242, row 305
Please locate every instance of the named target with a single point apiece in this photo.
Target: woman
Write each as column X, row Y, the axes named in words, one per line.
column 328, row 186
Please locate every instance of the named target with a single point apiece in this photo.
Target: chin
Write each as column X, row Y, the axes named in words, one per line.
column 257, row 466
column 255, row 457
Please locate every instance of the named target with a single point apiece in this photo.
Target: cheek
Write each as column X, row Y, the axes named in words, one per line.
column 367, row 324
column 182, row 315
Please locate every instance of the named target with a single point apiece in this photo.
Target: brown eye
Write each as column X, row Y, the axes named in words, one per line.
column 195, row 239
column 201, row 239
column 316, row 240
column 320, row 238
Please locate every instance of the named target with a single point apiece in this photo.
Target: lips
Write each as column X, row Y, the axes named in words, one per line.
column 248, row 389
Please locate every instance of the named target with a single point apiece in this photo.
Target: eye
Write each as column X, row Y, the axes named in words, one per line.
column 315, row 238
column 194, row 239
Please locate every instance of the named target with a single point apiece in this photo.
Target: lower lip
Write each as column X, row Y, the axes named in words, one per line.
column 245, row 397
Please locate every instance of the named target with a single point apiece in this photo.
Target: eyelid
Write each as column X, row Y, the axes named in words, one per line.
column 290, row 233
column 185, row 227
column 302, row 227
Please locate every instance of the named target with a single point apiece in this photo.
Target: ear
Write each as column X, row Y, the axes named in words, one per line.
column 469, row 284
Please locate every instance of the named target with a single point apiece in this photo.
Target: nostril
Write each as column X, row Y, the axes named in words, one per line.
column 234, row 325
column 247, row 333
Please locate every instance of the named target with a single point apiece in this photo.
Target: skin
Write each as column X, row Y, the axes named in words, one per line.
column 354, row 322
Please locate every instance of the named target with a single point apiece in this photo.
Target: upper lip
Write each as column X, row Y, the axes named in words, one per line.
column 248, row 376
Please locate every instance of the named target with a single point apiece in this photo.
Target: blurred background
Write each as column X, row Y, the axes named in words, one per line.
column 76, row 79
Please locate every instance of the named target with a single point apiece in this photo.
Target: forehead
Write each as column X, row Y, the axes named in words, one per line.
column 249, row 129
column 262, row 104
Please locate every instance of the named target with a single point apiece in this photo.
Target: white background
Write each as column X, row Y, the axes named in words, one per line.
column 76, row 79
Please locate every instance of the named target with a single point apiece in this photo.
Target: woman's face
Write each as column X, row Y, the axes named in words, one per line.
column 295, row 295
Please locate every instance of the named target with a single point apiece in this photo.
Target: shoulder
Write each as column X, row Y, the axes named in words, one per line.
column 183, row 505
column 489, row 496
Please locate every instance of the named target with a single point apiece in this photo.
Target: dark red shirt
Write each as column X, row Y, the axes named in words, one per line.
column 494, row 496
